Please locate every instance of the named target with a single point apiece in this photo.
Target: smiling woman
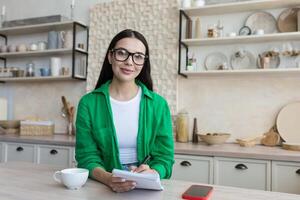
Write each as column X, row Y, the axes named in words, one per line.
column 123, row 121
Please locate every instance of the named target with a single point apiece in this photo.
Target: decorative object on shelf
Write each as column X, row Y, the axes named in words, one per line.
column 22, row 48
column 55, row 65
column 30, row 69
column 220, row 28
column 271, row 138
column 65, row 71
column 249, row 142
column 52, row 39
column 186, row 3
column 265, row 60
column 3, row 48
column 80, row 46
column 36, row 127
column 45, row 71
column 242, row 59
column 259, row 32
column 34, row 21
column 195, row 132
column 199, row 3
column 42, row 45
column 68, row 112
column 212, row 31
column 232, row 34
column 182, row 126
column 11, row 48
column 288, row 20
column 197, row 28
column 245, row 30
column 67, row 39
column 192, row 63
column 214, row 138
column 262, row 20
column 216, row 61
column 33, row 47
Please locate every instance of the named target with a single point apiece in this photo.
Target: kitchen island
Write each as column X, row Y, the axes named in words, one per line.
column 25, row 181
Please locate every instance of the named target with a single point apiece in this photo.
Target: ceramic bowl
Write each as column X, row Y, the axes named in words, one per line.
column 10, row 124
column 214, row 138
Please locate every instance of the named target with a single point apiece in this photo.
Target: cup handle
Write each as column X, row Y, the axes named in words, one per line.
column 57, row 176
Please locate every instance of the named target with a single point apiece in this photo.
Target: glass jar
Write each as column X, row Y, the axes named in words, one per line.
column 30, row 69
column 182, row 127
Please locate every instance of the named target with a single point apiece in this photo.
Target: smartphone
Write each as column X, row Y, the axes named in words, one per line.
column 198, row 192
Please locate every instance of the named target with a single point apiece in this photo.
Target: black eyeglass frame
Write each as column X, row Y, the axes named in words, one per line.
column 129, row 54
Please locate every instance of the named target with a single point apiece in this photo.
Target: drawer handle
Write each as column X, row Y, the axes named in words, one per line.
column 241, row 167
column 19, row 149
column 298, row 171
column 185, row 163
column 53, row 152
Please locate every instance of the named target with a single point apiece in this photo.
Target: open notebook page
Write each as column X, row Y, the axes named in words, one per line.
column 143, row 180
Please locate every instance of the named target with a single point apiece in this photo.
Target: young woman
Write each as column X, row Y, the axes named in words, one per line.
column 123, row 121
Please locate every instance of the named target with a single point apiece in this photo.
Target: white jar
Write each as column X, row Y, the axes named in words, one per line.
column 186, row 3
column 55, row 64
column 199, row 3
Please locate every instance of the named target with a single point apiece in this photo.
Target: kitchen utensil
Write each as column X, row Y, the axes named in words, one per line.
column 72, row 178
column 182, row 126
column 215, row 60
column 262, row 20
column 242, row 59
column 274, row 60
column 249, row 142
column 271, row 138
column 291, row 146
column 214, row 138
column 52, row 40
column 42, row 45
column 245, row 30
column 45, row 71
column 288, row 19
column 66, row 106
column 288, row 123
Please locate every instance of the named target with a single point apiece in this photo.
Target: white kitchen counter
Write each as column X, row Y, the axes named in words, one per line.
column 30, row 181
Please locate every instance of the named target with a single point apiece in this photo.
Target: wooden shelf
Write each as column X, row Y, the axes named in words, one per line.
column 36, row 79
column 245, row 72
column 38, row 28
column 243, row 39
column 235, row 7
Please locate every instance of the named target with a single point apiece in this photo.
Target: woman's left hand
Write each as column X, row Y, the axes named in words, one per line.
column 143, row 169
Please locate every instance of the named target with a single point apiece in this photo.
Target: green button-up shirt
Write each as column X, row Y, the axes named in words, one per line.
column 96, row 140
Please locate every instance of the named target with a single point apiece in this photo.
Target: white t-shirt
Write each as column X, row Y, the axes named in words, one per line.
column 126, row 121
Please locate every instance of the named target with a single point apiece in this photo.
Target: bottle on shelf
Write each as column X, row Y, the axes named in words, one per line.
column 195, row 132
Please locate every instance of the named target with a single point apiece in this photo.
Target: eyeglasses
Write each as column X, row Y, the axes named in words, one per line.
column 122, row 54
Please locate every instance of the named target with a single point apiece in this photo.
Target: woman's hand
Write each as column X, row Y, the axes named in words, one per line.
column 118, row 184
column 143, row 169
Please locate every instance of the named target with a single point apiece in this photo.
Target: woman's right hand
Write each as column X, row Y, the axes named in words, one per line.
column 118, row 184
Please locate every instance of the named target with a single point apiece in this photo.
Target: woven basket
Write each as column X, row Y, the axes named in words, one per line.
column 36, row 129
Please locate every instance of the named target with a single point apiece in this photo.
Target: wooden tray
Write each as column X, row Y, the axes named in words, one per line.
column 291, row 146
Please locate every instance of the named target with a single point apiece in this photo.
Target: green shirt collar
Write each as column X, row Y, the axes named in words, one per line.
column 105, row 88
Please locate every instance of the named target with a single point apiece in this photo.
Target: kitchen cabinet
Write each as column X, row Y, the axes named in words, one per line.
column 73, row 58
column 1, row 152
column 246, row 173
column 57, row 155
column 20, row 152
column 187, row 16
column 193, row 168
column 286, row 177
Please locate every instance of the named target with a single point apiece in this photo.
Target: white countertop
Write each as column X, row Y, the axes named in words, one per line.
column 25, row 181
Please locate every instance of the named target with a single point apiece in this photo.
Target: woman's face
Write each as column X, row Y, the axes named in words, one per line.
column 127, row 69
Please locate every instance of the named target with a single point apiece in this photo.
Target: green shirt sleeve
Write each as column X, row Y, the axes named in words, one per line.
column 163, row 151
column 86, row 152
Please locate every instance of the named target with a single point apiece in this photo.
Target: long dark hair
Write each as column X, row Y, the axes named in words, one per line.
column 106, row 71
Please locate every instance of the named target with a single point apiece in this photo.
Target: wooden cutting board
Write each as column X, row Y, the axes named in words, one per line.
column 288, row 123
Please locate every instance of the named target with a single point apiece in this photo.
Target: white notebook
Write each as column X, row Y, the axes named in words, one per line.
column 143, row 180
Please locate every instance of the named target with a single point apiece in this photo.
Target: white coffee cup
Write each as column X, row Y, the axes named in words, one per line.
column 72, row 178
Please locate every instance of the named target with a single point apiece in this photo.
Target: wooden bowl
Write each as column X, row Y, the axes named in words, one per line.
column 15, row 124
column 214, row 138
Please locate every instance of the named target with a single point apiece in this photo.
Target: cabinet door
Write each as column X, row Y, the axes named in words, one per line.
column 246, row 173
column 20, row 152
column 193, row 168
column 286, row 177
column 54, row 155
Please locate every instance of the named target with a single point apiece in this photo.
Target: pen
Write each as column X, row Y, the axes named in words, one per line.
column 146, row 159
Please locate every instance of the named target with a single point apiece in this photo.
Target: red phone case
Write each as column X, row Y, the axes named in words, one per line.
column 186, row 194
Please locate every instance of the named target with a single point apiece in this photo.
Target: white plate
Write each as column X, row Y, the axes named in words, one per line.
column 242, row 60
column 288, row 123
column 214, row 60
column 262, row 20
